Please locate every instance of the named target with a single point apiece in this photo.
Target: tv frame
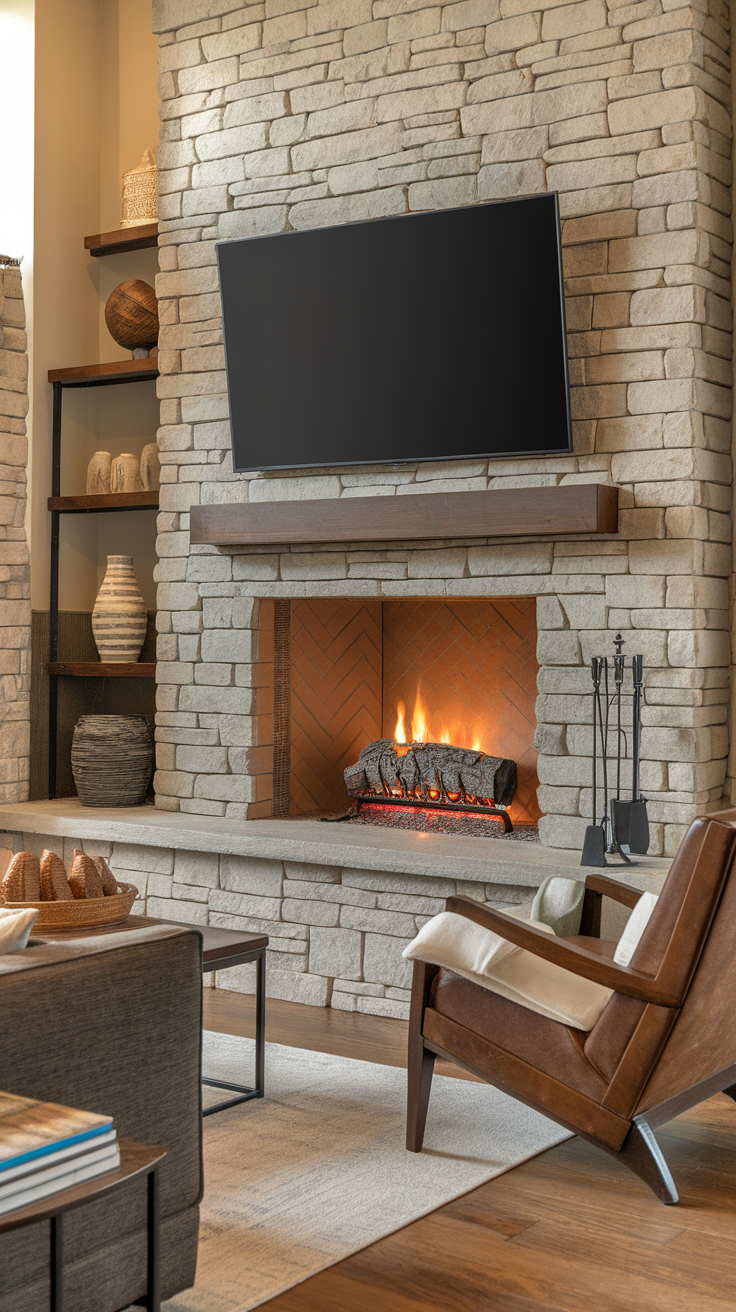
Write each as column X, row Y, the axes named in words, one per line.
column 414, row 460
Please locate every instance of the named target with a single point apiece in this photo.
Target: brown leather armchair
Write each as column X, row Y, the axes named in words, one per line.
column 665, row 1041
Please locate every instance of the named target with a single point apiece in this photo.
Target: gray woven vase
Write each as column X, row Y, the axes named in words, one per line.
column 112, row 759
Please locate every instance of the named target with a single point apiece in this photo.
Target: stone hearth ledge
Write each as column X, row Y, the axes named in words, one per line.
column 311, row 842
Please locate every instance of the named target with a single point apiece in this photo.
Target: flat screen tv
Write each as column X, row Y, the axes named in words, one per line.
column 431, row 336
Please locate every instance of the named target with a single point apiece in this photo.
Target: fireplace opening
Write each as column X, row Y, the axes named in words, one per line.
column 437, row 694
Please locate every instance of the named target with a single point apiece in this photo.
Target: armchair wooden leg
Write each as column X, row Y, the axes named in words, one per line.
column 421, row 1069
column 643, row 1155
column 420, row 1059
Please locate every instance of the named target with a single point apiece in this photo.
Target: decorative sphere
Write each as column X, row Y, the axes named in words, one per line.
column 131, row 315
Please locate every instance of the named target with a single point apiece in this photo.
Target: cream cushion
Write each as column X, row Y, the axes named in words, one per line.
column 559, row 902
column 634, row 928
column 480, row 955
column 15, row 928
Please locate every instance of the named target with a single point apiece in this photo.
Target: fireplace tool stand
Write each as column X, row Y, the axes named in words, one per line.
column 624, row 827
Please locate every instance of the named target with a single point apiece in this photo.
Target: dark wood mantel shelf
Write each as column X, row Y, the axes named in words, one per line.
column 106, row 501
column 113, row 371
column 507, row 512
column 104, row 669
column 138, row 238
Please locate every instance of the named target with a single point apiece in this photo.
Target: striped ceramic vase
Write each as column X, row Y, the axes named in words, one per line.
column 119, row 617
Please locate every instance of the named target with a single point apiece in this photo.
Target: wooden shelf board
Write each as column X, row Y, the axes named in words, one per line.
column 139, row 238
column 508, row 512
column 113, row 371
column 104, row 669
column 110, row 501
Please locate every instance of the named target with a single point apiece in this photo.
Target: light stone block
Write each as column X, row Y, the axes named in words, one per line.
column 299, row 870
column 287, row 985
column 199, row 868
column 251, row 875
column 311, row 912
column 335, row 952
column 193, row 913
column 134, row 856
column 383, row 962
column 377, row 922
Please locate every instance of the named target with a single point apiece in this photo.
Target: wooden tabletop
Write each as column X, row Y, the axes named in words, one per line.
column 217, row 943
column 135, row 1159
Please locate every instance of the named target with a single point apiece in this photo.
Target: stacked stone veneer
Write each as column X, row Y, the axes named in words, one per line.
column 15, row 604
column 335, row 935
column 287, row 115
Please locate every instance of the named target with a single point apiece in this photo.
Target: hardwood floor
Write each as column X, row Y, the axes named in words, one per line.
column 568, row 1231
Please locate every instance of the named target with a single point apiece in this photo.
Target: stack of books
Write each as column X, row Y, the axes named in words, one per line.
column 45, row 1148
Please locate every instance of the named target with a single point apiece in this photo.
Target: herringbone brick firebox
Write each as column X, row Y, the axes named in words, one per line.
column 357, row 666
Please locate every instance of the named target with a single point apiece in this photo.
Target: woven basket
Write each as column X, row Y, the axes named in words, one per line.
column 112, row 759
column 82, row 913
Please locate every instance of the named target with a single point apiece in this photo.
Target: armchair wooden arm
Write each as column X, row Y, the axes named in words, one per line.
column 596, row 887
column 622, row 979
column 614, row 889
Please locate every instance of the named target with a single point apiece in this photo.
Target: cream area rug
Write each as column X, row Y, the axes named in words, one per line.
column 318, row 1169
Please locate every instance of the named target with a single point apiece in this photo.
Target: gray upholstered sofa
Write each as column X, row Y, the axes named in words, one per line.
column 112, row 1024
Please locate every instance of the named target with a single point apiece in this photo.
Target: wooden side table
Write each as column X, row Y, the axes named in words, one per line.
column 135, row 1159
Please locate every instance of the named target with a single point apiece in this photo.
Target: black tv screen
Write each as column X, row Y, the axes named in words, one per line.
column 431, row 336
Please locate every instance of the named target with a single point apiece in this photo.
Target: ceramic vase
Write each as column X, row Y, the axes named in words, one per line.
column 99, row 471
column 112, row 760
column 119, row 617
column 150, row 467
column 125, row 475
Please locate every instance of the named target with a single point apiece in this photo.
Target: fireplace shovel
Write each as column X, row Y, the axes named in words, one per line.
column 630, row 820
column 594, row 843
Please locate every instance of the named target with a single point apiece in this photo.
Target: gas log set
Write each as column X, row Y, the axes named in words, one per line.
column 436, row 776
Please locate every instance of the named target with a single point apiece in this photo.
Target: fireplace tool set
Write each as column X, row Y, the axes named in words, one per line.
column 624, row 827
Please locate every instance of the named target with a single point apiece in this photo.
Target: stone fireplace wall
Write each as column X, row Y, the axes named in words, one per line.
column 15, row 583
column 288, row 115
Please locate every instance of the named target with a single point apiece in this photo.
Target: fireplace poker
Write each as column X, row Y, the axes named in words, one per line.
column 638, row 819
column 594, row 843
column 612, row 844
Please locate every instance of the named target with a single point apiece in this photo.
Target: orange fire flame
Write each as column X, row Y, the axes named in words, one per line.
column 457, row 734
column 419, row 720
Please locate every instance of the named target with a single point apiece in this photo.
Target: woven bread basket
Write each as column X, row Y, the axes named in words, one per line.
column 82, row 913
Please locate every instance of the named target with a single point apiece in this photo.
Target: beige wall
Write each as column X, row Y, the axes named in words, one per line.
column 96, row 112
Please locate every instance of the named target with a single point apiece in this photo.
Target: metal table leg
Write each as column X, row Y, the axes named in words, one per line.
column 153, row 1279
column 244, row 1091
column 57, row 1263
column 260, row 1022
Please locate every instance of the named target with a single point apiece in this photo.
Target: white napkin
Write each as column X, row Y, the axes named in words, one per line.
column 15, row 928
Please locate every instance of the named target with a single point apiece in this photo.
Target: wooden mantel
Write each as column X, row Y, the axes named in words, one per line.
column 508, row 512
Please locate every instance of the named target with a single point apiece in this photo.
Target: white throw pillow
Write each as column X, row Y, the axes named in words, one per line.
column 489, row 960
column 15, row 928
column 634, row 928
column 461, row 945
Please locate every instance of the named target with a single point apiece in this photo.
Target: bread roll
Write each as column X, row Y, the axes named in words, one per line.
column 22, row 882
column 109, row 882
column 31, row 878
column 13, row 887
column 84, row 878
column 54, row 883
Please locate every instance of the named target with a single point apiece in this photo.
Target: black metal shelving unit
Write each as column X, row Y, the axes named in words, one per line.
column 98, row 375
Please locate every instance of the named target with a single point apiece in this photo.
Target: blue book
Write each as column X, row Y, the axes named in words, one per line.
column 30, row 1129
